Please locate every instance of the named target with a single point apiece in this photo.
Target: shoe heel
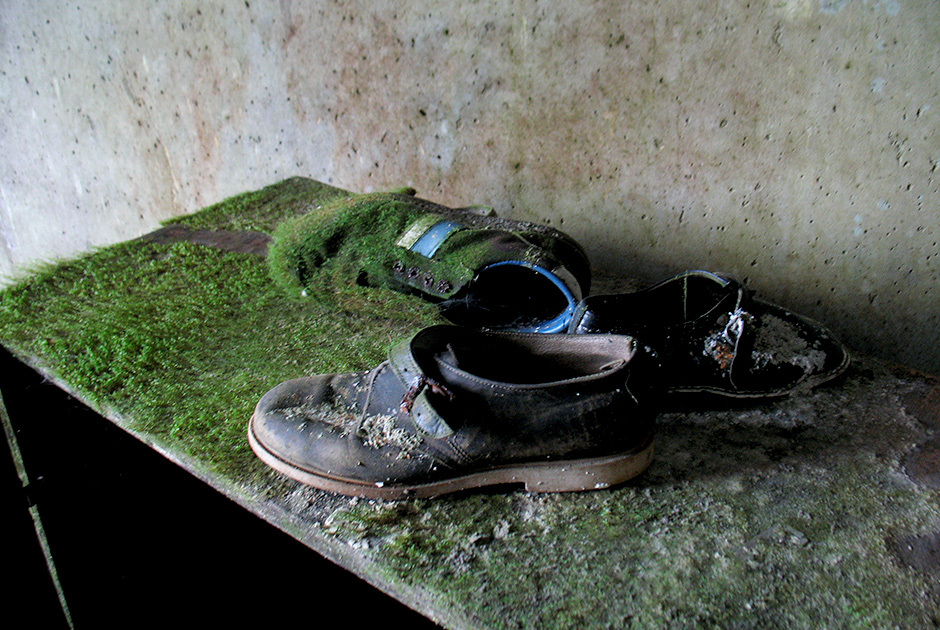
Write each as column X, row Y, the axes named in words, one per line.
column 586, row 474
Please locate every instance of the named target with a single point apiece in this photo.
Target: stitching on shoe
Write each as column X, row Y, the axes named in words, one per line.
column 462, row 456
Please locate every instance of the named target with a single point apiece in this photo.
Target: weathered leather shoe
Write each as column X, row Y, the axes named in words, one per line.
column 486, row 272
column 712, row 336
column 454, row 408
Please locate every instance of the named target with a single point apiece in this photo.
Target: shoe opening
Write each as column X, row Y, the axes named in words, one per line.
column 513, row 295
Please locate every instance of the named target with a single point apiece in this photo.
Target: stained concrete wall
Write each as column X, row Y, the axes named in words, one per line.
column 791, row 142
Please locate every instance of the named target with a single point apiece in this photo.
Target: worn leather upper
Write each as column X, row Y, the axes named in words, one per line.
column 454, row 400
column 713, row 336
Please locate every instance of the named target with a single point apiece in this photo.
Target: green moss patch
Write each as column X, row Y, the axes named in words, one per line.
column 354, row 241
column 340, row 244
column 263, row 210
column 181, row 340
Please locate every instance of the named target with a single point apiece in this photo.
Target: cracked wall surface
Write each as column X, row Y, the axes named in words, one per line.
column 792, row 143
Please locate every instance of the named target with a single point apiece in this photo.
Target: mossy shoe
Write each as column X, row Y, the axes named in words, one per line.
column 483, row 270
column 455, row 408
column 713, row 336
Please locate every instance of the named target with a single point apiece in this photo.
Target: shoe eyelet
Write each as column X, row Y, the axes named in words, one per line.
column 398, row 266
column 413, row 272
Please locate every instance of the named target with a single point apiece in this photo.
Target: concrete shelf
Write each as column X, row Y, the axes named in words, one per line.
column 819, row 510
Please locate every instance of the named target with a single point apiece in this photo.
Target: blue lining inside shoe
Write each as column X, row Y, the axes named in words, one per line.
column 559, row 323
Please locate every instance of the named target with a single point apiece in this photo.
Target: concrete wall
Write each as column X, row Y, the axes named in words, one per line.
column 791, row 142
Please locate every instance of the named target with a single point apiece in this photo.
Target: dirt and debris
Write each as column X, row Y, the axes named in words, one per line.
column 777, row 341
column 376, row 430
column 922, row 463
column 380, row 430
column 919, row 552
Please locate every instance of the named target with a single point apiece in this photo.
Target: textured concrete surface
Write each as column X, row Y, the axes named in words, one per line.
column 793, row 143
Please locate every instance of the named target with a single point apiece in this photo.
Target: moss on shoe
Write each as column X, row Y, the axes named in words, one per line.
column 400, row 242
column 346, row 242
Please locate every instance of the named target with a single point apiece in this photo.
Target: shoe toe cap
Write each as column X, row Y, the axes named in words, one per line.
column 794, row 348
column 308, row 426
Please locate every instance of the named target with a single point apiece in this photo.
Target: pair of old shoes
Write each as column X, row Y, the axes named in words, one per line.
column 493, row 399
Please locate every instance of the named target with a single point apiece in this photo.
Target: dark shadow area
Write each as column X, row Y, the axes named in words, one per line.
column 29, row 593
column 138, row 542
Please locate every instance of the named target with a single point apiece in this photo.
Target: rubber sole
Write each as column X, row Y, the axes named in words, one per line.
column 556, row 476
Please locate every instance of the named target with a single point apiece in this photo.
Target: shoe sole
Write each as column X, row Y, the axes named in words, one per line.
column 558, row 476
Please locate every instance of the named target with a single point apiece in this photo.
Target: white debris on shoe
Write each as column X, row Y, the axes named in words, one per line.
column 339, row 416
column 718, row 347
column 722, row 345
column 778, row 341
column 376, row 430
column 379, row 430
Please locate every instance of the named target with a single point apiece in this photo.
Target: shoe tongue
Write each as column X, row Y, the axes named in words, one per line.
column 428, row 356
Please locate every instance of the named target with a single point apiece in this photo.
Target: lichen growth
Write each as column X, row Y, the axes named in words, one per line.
column 377, row 430
column 768, row 552
column 340, row 416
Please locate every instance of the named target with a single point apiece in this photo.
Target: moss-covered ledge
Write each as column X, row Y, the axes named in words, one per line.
column 822, row 510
